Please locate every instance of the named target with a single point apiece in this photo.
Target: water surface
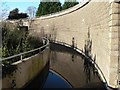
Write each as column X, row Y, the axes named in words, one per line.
column 55, row 81
column 71, row 70
column 71, row 65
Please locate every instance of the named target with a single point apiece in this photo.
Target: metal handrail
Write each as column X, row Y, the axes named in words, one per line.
column 82, row 52
column 21, row 54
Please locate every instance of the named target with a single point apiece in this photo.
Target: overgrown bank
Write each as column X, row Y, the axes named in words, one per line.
column 15, row 40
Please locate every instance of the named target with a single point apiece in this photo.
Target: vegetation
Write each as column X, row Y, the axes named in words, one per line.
column 14, row 14
column 14, row 42
column 51, row 6
column 17, row 41
column 3, row 10
column 31, row 11
column 69, row 3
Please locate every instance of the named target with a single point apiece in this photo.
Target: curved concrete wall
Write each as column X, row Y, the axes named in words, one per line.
column 95, row 22
column 26, row 71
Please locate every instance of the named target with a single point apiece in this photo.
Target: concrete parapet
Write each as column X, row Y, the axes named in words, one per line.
column 27, row 70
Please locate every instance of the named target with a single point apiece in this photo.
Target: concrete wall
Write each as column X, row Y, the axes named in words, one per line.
column 90, row 21
column 26, row 70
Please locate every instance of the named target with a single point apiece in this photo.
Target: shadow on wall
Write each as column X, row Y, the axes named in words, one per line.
column 88, row 65
column 52, row 35
column 39, row 80
column 88, row 46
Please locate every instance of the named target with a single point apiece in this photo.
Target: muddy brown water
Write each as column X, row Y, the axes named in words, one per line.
column 69, row 69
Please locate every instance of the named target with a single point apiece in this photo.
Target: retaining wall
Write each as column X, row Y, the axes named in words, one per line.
column 91, row 23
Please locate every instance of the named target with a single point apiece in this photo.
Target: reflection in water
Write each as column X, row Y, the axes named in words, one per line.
column 88, row 69
column 54, row 81
column 80, row 74
column 76, row 70
column 73, row 57
column 53, row 57
column 39, row 80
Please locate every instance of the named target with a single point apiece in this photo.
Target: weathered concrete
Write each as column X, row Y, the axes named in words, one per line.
column 26, row 71
column 98, row 20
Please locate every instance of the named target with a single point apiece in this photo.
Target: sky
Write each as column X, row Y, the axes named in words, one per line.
column 23, row 5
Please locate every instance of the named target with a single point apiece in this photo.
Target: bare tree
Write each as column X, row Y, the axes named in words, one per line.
column 3, row 10
column 31, row 11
